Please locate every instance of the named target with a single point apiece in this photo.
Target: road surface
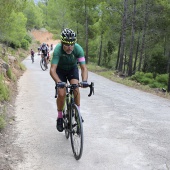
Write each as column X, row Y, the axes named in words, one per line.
column 124, row 128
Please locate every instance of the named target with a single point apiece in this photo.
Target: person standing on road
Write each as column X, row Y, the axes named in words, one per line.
column 64, row 68
column 32, row 55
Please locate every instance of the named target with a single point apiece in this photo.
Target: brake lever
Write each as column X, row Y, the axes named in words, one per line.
column 91, row 89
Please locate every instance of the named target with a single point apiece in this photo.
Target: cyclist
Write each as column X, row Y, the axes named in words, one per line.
column 44, row 51
column 51, row 47
column 32, row 55
column 64, row 67
column 39, row 50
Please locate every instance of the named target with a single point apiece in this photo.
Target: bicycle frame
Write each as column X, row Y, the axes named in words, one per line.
column 72, row 119
column 70, row 101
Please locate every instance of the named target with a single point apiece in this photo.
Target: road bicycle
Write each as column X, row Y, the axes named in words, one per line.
column 72, row 119
column 43, row 63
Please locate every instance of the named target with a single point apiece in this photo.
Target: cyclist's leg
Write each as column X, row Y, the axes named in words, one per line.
column 60, row 101
column 73, row 78
column 75, row 75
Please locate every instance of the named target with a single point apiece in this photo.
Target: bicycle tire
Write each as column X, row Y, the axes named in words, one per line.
column 66, row 121
column 76, row 134
column 43, row 64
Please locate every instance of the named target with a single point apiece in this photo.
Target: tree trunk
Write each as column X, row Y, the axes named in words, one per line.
column 100, row 50
column 169, row 73
column 143, row 36
column 118, row 55
column 123, row 36
column 86, row 26
column 136, row 57
column 132, row 41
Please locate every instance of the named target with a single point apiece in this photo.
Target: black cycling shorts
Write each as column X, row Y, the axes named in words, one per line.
column 65, row 75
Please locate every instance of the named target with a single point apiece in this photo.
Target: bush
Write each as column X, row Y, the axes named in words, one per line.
column 162, row 78
column 15, row 44
column 4, row 91
column 149, row 75
column 155, row 84
column 146, row 80
column 9, row 73
column 24, row 44
column 28, row 38
column 137, row 77
column 161, row 81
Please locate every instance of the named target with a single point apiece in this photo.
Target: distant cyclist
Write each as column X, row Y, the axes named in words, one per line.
column 44, row 51
column 64, row 67
column 32, row 55
column 39, row 50
column 51, row 47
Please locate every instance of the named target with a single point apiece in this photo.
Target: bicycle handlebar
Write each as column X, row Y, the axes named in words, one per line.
column 91, row 86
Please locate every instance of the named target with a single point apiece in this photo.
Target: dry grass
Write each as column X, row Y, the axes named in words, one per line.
column 112, row 75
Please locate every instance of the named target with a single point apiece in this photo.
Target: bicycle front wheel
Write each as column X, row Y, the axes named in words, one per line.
column 43, row 64
column 66, row 121
column 76, row 133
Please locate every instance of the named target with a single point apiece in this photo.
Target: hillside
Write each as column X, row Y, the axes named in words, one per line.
column 9, row 155
column 43, row 36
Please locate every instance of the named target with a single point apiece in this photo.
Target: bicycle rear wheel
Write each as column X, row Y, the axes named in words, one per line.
column 76, row 133
column 43, row 64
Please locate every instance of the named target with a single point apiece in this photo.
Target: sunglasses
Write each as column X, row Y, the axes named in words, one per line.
column 65, row 44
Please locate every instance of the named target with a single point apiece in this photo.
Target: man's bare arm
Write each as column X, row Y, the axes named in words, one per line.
column 54, row 74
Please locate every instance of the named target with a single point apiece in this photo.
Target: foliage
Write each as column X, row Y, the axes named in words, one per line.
column 137, row 77
column 161, row 80
column 15, row 29
column 9, row 73
column 34, row 16
column 4, row 91
column 6, row 8
column 28, row 38
column 158, row 63
column 24, row 44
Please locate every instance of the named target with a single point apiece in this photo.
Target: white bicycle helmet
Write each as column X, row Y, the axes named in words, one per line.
column 68, row 36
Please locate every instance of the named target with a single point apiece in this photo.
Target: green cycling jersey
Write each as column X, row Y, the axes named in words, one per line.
column 68, row 61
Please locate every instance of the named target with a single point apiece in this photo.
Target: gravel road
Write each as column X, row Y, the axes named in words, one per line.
column 124, row 128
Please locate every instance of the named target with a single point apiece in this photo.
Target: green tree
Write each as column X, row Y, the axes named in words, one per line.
column 34, row 15
column 15, row 29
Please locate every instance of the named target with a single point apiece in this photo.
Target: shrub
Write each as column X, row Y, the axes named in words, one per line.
column 15, row 44
column 24, row 44
column 4, row 91
column 137, row 77
column 156, row 84
column 9, row 73
column 146, row 80
column 149, row 75
column 28, row 38
column 162, row 78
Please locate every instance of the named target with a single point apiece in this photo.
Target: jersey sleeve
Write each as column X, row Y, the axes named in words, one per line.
column 80, row 54
column 56, row 54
